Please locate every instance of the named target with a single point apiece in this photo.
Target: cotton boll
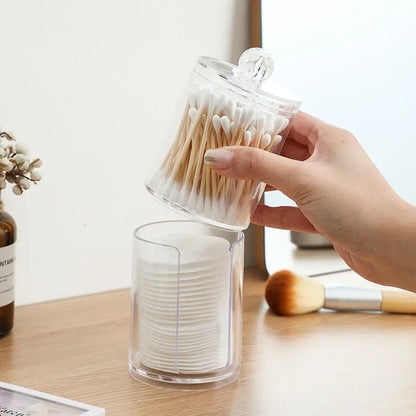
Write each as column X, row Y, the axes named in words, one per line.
column 11, row 147
column 23, row 167
column 19, row 158
column 17, row 190
column 35, row 175
column 21, row 148
column 10, row 178
column 24, row 183
column 6, row 165
column 37, row 163
column 4, row 142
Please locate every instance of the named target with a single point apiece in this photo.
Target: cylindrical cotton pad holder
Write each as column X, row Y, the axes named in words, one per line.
column 224, row 106
column 186, row 314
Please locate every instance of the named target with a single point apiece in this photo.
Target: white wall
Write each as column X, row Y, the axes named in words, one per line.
column 90, row 86
column 354, row 65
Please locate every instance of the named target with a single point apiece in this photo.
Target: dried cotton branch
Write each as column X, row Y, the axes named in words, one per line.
column 15, row 165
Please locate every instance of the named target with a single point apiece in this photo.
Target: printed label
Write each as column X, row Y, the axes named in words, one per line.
column 7, row 259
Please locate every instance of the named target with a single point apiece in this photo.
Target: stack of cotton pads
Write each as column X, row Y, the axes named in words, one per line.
column 184, row 301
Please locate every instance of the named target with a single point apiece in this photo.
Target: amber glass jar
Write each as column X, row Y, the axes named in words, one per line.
column 7, row 264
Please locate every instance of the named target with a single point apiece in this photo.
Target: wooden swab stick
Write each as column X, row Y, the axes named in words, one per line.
column 190, row 133
column 181, row 132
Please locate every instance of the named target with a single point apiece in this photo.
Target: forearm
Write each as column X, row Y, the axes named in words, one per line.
column 395, row 262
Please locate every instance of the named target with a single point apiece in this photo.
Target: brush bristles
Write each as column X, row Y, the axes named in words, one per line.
column 289, row 294
column 210, row 120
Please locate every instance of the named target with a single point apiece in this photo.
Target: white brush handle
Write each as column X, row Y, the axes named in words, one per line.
column 398, row 301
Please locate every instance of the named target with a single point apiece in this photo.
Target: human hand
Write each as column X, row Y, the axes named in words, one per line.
column 339, row 193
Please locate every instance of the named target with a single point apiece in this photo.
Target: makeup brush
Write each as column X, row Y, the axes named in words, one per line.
column 290, row 294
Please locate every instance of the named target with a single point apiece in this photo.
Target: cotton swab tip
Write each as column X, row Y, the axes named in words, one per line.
column 277, row 139
column 280, row 123
column 238, row 113
column 216, row 121
column 265, row 140
column 225, row 123
column 192, row 99
column 193, row 112
column 247, row 138
column 232, row 127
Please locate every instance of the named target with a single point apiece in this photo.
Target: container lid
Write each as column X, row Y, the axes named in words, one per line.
column 255, row 66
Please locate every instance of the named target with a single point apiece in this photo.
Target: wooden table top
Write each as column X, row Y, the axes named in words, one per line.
column 323, row 363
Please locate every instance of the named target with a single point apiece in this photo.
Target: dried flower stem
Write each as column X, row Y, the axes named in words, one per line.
column 15, row 165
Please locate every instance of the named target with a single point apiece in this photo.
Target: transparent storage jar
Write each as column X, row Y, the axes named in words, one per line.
column 186, row 305
column 224, row 105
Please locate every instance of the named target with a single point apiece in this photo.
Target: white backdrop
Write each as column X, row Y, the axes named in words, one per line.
column 353, row 63
column 89, row 86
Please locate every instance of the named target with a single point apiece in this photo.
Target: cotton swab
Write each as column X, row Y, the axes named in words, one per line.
column 247, row 138
column 265, row 140
column 211, row 120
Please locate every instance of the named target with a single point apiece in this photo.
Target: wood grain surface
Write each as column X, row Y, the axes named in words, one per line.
column 323, row 363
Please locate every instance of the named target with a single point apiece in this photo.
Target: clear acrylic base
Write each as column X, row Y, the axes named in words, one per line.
column 186, row 305
column 161, row 379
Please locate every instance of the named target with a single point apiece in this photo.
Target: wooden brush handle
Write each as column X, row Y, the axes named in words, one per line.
column 398, row 301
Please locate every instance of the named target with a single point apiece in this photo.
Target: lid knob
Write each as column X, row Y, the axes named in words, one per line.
column 256, row 65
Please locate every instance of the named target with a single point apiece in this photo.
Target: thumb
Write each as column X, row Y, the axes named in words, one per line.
column 240, row 162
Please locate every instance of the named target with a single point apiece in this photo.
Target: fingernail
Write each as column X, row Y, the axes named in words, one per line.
column 218, row 158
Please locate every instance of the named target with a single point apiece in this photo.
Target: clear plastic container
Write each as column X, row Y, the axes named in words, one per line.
column 224, row 106
column 186, row 305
